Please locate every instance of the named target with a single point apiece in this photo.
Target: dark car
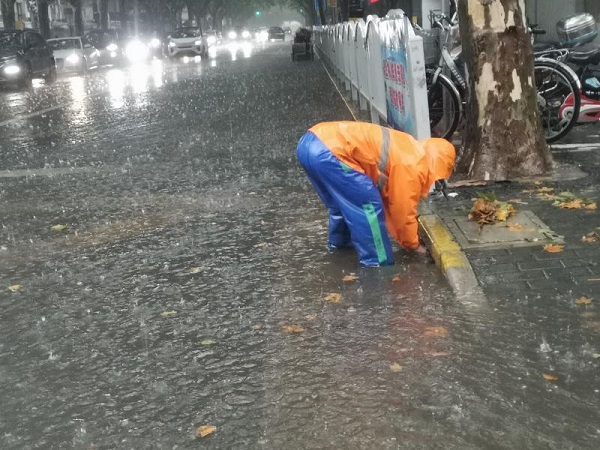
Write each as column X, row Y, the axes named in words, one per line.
column 24, row 54
column 109, row 44
column 276, row 34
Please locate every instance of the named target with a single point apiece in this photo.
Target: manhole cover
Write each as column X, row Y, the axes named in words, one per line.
column 524, row 228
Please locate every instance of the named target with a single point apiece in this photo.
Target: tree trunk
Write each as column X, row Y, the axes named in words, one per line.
column 43, row 19
column 123, row 12
column 8, row 13
column 103, row 11
column 78, row 17
column 503, row 137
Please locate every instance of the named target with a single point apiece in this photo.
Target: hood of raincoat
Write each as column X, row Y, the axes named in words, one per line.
column 442, row 156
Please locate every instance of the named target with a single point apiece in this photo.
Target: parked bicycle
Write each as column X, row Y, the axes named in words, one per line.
column 557, row 85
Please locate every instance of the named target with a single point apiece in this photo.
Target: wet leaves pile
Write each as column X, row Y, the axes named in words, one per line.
column 487, row 210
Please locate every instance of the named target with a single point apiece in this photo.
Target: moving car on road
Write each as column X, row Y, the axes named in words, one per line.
column 25, row 54
column 71, row 54
column 276, row 34
column 108, row 44
column 187, row 42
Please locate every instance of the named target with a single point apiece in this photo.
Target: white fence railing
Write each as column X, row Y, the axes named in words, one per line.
column 381, row 63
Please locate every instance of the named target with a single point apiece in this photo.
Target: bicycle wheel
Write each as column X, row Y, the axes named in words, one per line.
column 444, row 106
column 558, row 98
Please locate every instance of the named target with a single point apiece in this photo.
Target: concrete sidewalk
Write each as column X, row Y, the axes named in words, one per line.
column 508, row 259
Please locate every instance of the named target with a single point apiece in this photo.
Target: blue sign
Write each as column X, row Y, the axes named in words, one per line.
column 397, row 93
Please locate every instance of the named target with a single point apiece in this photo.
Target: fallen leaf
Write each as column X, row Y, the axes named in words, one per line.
column 550, row 377
column 591, row 238
column 593, row 279
column 573, row 204
column 544, row 190
column 15, row 287
column 583, row 300
column 396, row 279
column 58, row 227
column 333, row 297
column 591, row 206
column 194, row 269
column 596, row 355
column 257, row 327
column 208, row 342
column 311, row 317
column 261, row 244
column 395, row 367
column 514, row 226
column 468, row 183
column 553, row 248
column 205, row 430
column 528, row 191
column 349, row 278
column 168, row 313
column 436, row 331
column 293, row 329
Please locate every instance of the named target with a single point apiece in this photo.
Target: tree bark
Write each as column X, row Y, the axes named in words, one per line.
column 103, row 12
column 8, row 13
column 43, row 19
column 503, row 138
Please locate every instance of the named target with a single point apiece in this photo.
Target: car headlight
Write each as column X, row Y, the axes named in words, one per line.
column 112, row 47
column 211, row 39
column 73, row 58
column 171, row 44
column 245, row 34
column 136, row 50
column 198, row 43
column 155, row 43
column 232, row 35
column 12, row 69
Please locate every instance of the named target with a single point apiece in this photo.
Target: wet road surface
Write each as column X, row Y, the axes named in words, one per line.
column 158, row 239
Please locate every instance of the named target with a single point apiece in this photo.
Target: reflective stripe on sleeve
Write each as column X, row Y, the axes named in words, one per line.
column 384, row 157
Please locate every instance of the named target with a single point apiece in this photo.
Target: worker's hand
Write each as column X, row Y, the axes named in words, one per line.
column 421, row 249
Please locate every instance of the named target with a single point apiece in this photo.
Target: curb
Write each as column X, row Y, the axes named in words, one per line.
column 448, row 255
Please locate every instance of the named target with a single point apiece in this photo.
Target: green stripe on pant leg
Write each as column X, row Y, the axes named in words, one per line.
column 369, row 210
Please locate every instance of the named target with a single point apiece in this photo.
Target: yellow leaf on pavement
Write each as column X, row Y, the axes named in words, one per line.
column 311, row 317
column 514, row 226
column 257, row 327
column 591, row 206
column 168, row 313
column 15, row 287
column 550, row 377
column 293, row 329
column 58, row 227
column 590, row 238
column 194, row 269
column 349, row 278
column 545, row 190
column 573, row 204
column 395, row 367
column 205, row 430
column 333, row 297
column 553, row 248
column 502, row 214
column 583, row 300
column 436, row 331
column 396, row 279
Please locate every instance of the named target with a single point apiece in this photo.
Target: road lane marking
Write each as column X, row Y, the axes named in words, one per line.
column 33, row 114
column 337, row 89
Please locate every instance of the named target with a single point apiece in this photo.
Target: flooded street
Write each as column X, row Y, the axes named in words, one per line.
column 163, row 266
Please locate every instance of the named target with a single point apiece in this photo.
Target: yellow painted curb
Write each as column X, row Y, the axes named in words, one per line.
column 447, row 254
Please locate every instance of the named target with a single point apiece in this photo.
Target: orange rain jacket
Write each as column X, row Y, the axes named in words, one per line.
column 411, row 169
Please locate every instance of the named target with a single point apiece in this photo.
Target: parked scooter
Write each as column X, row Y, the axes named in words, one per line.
column 576, row 34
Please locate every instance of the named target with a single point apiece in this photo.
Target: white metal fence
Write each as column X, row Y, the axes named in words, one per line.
column 381, row 63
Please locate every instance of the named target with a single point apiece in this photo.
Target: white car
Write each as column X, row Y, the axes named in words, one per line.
column 187, row 42
column 71, row 54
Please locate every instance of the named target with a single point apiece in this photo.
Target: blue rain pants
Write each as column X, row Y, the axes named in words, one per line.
column 356, row 215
